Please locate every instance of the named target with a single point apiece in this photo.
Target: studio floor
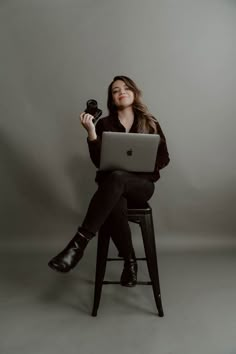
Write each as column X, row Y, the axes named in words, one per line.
column 43, row 312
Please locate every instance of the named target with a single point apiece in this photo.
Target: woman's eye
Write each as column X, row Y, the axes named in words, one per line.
column 126, row 88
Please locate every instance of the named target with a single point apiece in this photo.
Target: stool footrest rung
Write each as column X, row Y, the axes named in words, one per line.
column 106, row 282
column 122, row 259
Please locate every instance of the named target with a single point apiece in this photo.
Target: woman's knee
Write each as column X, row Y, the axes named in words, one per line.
column 117, row 176
column 119, row 173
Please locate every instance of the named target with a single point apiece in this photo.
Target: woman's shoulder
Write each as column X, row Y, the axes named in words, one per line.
column 104, row 123
column 155, row 120
column 158, row 126
column 108, row 119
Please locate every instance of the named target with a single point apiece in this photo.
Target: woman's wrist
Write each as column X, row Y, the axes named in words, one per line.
column 92, row 135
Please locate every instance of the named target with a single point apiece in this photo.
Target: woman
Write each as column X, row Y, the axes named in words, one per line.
column 108, row 205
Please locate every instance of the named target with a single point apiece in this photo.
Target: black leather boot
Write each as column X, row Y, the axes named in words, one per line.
column 70, row 256
column 129, row 273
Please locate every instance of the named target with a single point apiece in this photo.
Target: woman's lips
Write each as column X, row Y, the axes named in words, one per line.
column 120, row 98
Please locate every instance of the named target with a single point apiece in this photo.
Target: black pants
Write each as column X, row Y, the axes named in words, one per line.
column 109, row 205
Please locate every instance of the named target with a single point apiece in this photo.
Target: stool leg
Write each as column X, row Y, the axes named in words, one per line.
column 102, row 252
column 151, row 256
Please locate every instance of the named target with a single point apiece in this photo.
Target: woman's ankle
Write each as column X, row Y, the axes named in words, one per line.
column 130, row 256
column 86, row 233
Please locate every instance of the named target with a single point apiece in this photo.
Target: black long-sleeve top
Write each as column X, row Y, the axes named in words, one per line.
column 113, row 124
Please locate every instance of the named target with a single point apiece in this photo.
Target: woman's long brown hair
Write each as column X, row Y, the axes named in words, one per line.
column 146, row 122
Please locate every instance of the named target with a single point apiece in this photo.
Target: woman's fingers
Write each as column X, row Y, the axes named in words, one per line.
column 81, row 115
column 87, row 120
column 86, row 117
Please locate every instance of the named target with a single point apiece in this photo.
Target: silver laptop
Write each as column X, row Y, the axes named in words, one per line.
column 131, row 152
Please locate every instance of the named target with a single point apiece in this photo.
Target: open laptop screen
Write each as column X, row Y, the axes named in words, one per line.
column 133, row 152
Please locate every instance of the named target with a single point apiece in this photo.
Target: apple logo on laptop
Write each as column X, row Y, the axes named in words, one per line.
column 129, row 152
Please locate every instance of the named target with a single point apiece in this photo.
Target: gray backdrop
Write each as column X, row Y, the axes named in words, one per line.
column 56, row 54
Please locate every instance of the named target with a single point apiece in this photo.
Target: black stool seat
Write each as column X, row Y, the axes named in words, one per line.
column 142, row 215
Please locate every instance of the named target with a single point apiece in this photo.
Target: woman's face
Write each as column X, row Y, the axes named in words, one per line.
column 122, row 96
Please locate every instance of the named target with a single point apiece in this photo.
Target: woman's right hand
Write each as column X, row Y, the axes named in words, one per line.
column 86, row 120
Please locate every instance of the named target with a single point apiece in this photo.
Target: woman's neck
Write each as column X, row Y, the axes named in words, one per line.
column 126, row 114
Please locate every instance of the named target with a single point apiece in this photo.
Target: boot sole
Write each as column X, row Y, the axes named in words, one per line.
column 58, row 270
